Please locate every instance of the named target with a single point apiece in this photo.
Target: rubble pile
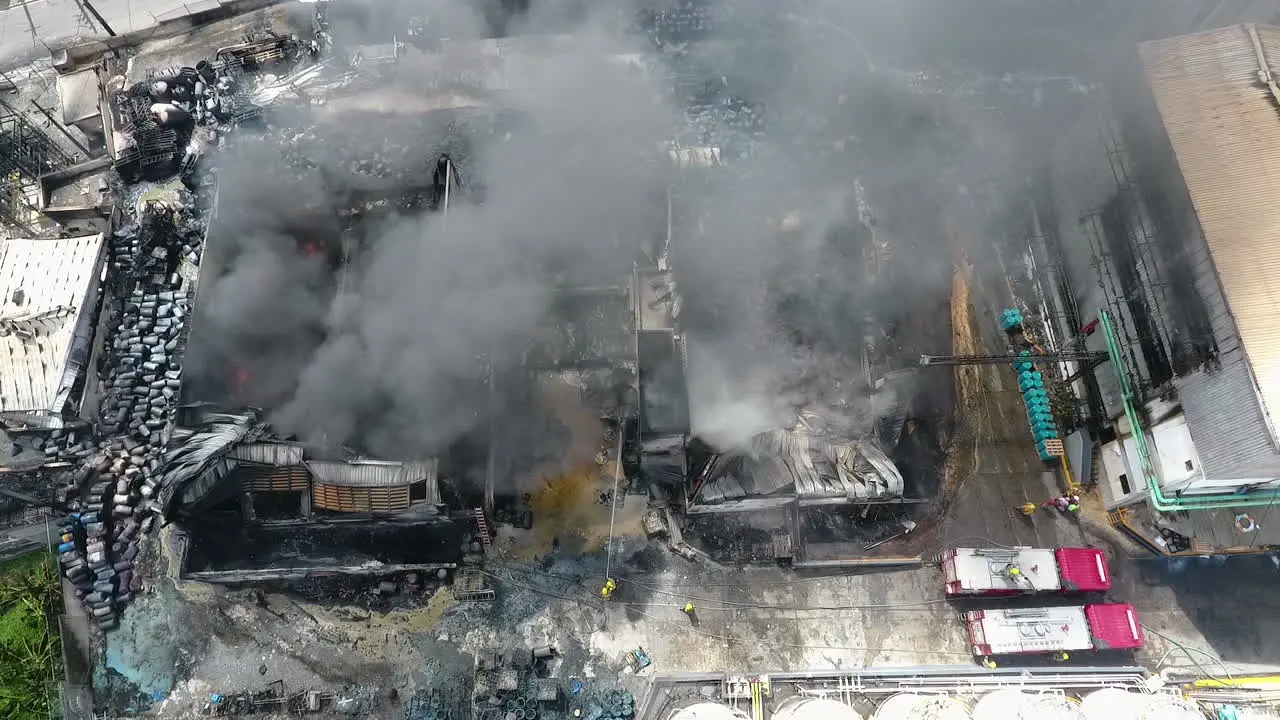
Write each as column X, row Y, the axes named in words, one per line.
column 33, row 448
column 153, row 269
column 167, row 123
column 176, row 115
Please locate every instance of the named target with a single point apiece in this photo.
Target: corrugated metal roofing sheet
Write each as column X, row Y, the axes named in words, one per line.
column 269, row 453
column 1226, row 422
column 371, row 473
column 192, row 452
column 816, row 467
column 44, row 294
column 1225, row 130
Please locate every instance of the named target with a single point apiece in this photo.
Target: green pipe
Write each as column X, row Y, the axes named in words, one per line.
column 1159, row 500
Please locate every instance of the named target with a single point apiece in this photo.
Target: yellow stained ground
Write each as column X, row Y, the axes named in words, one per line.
column 970, row 386
column 566, row 494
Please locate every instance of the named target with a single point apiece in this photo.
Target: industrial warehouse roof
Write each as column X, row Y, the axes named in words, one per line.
column 46, row 300
column 371, row 473
column 1222, row 121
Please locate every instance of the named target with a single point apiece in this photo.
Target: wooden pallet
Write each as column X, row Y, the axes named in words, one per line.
column 1200, row 547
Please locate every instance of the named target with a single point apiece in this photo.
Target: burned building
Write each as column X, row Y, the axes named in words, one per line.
column 1157, row 253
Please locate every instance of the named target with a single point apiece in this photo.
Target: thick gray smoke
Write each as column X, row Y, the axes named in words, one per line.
column 770, row 255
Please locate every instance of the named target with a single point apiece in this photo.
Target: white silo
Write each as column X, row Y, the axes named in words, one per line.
column 1112, row 704
column 910, row 706
column 807, row 708
column 1019, row 705
column 1053, row 706
column 1169, row 707
column 706, row 711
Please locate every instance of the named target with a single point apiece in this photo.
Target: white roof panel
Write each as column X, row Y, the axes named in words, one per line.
column 46, row 290
column 1030, row 630
column 979, row 570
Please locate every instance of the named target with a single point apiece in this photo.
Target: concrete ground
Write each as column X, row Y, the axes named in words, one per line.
column 29, row 28
column 746, row 620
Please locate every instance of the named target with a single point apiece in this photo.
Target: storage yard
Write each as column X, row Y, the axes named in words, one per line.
column 668, row 362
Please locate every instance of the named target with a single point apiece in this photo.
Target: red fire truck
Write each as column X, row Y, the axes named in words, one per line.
column 1039, row 631
column 1024, row 571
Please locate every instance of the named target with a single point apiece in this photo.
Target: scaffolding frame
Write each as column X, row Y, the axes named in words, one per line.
column 1143, row 238
column 1120, row 299
column 1046, row 250
column 26, row 153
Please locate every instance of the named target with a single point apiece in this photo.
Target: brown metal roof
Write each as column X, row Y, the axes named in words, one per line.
column 1224, row 125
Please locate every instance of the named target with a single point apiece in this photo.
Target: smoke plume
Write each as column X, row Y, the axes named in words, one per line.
column 790, row 259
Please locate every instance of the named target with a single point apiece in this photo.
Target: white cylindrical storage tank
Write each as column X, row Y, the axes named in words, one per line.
column 1169, row 707
column 1052, row 706
column 999, row 705
column 705, row 711
column 1019, row 705
column 806, row 708
column 910, row 706
column 1112, row 704
column 814, row 709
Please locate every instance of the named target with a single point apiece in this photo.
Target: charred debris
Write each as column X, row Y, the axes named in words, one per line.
column 142, row 442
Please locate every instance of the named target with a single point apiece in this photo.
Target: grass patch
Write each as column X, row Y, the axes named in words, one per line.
column 30, row 655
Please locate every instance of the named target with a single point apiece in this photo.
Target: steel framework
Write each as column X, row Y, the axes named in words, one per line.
column 26, row 153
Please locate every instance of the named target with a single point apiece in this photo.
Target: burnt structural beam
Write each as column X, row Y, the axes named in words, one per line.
column 32, row 501
column 48, row 114
column 1067, row 356
column 25, row 150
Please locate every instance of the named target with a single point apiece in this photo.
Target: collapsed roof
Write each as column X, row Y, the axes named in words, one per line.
column 799, row 461
column 201, row 457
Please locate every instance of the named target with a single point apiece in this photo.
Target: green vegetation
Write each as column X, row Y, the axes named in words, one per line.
column 1065, row 406
column 30, row 655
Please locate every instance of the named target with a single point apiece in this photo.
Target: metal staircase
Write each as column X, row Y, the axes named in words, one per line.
column 482, row 524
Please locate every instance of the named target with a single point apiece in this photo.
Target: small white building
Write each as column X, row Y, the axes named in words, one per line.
column 48, row 302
